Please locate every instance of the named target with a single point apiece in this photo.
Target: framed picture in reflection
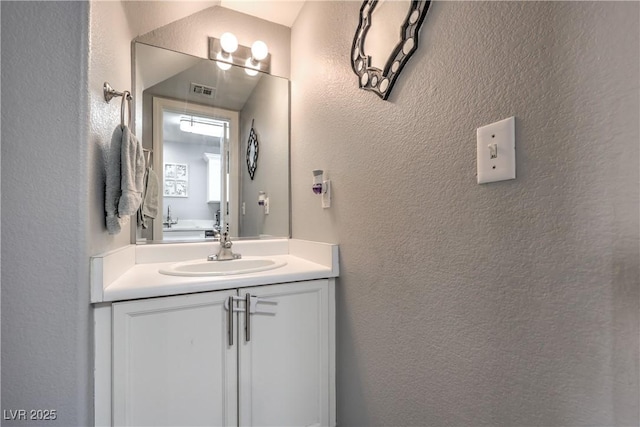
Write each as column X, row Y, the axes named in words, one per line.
column 176, row 180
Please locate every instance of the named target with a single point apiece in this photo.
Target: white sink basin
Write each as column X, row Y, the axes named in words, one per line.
column 200, row 267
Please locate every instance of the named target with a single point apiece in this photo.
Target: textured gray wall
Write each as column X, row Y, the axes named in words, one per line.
column 56, row 55
column 109, row 60
column 46, row 347
column 513, row 303
column 269, row 106
column 195, row 206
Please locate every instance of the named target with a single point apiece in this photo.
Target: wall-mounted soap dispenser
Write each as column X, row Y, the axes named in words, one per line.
column 263, row 201
column 317, row 181
column 322, row 186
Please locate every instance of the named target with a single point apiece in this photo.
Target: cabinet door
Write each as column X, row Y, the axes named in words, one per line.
column 172, row 363
column 284, row 368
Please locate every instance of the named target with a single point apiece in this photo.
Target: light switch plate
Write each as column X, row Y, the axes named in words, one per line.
column 497, row 151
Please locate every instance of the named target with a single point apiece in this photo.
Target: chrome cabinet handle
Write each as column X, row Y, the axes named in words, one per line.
column 250, row 307
column 247, row 317
column 230, row 321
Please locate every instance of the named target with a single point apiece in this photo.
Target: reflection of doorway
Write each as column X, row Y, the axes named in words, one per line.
column 183, row 135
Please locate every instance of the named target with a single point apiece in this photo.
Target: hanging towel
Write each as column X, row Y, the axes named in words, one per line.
column 112, row 184
column 123, row 180
column 131, row 174
column 149, row 206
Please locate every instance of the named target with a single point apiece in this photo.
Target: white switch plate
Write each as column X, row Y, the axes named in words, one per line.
column 497, row 162
column 326, row 194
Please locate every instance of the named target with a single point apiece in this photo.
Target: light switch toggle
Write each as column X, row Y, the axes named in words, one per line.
column 493, row 151
column 499, row 136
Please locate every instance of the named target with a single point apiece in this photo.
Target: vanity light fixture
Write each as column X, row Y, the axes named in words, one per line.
column 199, row 127
column 259, row 51
column 254, row 59
column 228, row 45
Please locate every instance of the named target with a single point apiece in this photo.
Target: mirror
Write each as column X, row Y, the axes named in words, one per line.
column 196, row 119
column 384, row 35
column 385, row 39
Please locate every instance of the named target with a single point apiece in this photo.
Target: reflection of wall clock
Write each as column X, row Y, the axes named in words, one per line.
column 252, row 152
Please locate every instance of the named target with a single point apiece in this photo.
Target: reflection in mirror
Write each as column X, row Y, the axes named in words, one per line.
column 197, row 118
column 385, row 39
column 189, row 143
column 384, row 34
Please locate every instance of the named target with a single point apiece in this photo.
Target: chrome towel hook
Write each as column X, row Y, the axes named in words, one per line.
column 110, row 93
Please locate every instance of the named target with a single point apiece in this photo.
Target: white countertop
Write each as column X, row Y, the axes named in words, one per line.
column 140, row 277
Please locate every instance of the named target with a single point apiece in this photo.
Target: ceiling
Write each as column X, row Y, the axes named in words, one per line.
column 171, row 132
column 144, row 16
column 170, row 74
column 283, row 12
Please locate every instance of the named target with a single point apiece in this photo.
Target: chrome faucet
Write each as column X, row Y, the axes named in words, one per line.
column 224, row 253
column 169, row 221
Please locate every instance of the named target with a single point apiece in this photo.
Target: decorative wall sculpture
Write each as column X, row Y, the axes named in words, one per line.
column 377, row 79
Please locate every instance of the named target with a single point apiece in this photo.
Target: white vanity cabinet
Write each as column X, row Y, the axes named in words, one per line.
column 286, row 365
column 171, row 364
column 175, row 363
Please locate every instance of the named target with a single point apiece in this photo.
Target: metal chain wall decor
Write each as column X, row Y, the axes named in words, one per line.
column 374, row 79
column 252, row 152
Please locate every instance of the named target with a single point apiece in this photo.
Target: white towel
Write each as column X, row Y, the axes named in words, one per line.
column 123, row 183
column 112, row 184
column 149, row 207
column 131, row 174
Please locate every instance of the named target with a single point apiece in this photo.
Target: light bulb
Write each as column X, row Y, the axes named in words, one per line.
column 251, row 67
column 222, row 62
column 259, row 50
column 229, row 42
column 201, row 128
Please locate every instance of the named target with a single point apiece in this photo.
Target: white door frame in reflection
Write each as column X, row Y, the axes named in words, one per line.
column 160, row 105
